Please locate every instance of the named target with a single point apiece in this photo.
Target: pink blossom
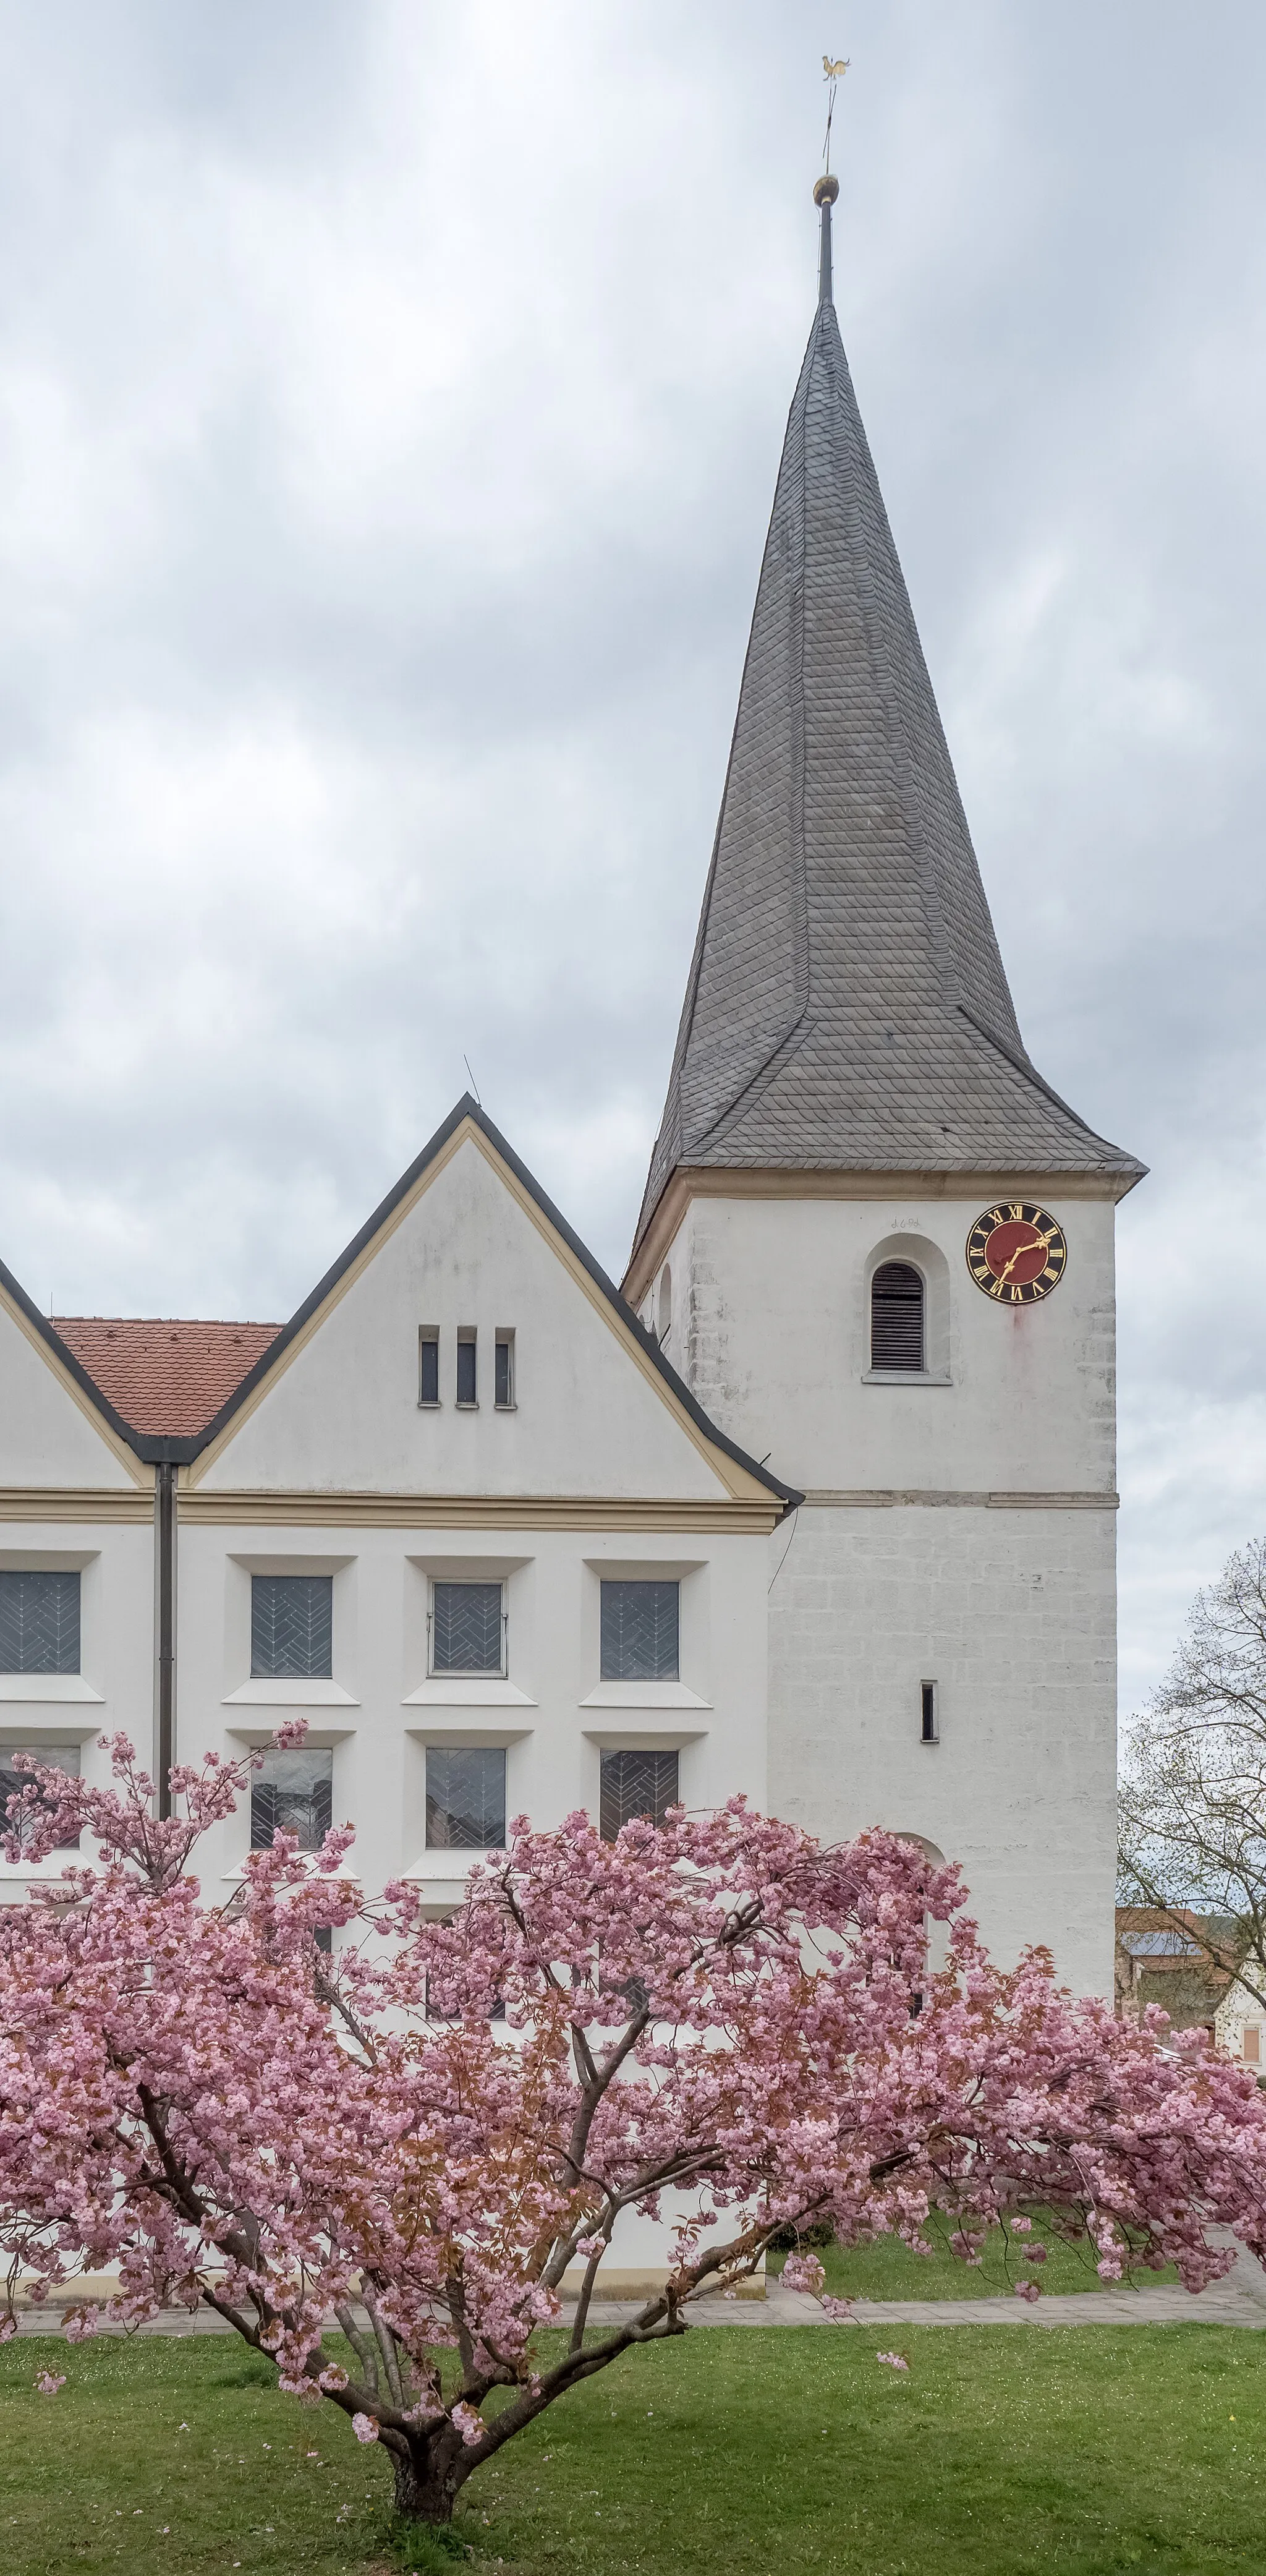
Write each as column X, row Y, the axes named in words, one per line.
column 804, row 2272
column 201, row 2103
column 1026, row 2290
column 895, row 2360
column 48, row 2382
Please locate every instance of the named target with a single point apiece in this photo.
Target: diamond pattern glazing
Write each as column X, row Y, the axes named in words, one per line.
column 466, row 1628
column 465, row 1798
column 636, row 1784
column 640, row 1632
column 39, row 1623
column 292, row 1626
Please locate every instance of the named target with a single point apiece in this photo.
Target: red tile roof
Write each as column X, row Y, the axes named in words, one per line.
column 164, row 1376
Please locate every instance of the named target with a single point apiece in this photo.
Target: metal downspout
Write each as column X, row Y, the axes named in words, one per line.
column 166, row 1634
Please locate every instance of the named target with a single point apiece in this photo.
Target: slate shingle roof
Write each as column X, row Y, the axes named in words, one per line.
column 847, row 1007
column 164, row 1376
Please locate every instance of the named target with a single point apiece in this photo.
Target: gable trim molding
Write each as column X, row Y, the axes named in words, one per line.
column 735, row 1515
column 739, row 1476
column 75, row 1382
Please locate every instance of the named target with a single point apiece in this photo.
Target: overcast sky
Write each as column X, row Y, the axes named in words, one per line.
column 390, row 400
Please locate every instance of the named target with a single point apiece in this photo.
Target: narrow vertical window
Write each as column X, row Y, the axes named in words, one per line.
column 465, row 1798
column 467, row 1381
column 636, row 1784
column 1252, row 2043
column 292, row 1793
column 39, row 1623
column 504, row 1387
column 929, row 1716
column 428, row 1364
column 664, row 1312
column 292, row 1627
column 640, row 1631
column 896, row 1318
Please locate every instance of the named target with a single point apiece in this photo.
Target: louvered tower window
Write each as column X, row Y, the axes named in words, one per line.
column 896, row 1317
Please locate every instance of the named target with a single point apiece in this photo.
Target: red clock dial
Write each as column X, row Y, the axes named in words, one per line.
column 1016, row 1253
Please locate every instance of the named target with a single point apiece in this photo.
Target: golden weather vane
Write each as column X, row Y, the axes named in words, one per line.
column 832, row 73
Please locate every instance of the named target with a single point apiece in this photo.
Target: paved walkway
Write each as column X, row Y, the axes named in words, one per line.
column 1239, row 2300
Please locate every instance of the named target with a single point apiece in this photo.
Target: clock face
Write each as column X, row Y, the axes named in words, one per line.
column 1016, row 1253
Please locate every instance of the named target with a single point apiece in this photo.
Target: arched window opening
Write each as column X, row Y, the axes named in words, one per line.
column 896, row 1317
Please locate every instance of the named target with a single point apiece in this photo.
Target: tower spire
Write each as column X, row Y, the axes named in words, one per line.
column 825, row 192
column 847, row 1008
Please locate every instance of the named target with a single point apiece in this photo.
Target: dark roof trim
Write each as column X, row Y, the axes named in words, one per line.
column 74, row 1368
column 1115, row 1160
column 467, row 1107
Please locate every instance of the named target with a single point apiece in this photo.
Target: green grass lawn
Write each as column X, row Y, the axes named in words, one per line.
column 757, row 2452
column 888, row 2269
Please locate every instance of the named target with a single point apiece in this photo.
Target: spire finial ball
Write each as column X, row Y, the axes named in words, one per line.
column 825, row 191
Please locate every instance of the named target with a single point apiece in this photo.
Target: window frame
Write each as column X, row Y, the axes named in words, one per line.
column 466, row 1672
column 463, row 1752
column 62, row 1574
column 898, row 1368
column 307, row 1674
column 503, row 1364
column 628, row 1583
column 618, row 1753
column 428, row 1343
column 467, row 1340
column 307, row 1753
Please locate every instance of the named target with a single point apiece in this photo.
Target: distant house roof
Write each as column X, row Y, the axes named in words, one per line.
column 167, row 1376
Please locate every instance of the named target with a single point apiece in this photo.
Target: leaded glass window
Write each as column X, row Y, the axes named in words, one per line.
column 58, row 1757
column 465, row 1797
column 467, row 1628
column 640, row 1632
column 39, row 1623
column 636, row 1784
column 292, row 1626
column 293, row 1794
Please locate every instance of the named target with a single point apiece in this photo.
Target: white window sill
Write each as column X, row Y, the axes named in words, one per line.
column 63, row 1689
column 903, row 1377
column 444, row 1869
column 644, row 1695
column 467, row 1690
column 290, row 1691
column 662, row 1735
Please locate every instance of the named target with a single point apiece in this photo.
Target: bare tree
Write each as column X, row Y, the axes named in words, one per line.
column 1193, row 1796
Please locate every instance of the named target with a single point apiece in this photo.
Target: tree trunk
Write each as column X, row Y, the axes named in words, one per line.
column 427, row 2481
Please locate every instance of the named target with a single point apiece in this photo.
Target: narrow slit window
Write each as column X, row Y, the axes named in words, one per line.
column 1252, row 2043
column 465, row 1798
column 896, row 1318
column 636, row 1784
column 929, row 1717
column 504, row 1387
column 467, row 1628
column 428, row 1365
column 292, row 1627
column 39, row 1622
column 467, row 1371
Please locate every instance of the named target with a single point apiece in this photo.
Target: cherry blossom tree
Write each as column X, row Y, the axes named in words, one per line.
column 431, row 2136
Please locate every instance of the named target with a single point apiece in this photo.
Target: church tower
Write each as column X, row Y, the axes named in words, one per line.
column 879, row 1247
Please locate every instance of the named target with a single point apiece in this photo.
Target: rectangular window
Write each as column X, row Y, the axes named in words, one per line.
column 929, row 1714
column 1252, row 2043
column 503, row 1391
column 428, row 1365
column 636, row 1784
column 59, row 1757
column 467, row 1380
column 640, row 1632
column 292, row 1626
column 292, row 1794
column 467, row 1628
column 39, row 1623
column 465, row 1798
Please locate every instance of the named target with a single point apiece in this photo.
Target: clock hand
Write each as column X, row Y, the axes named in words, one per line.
column 1021, row 1248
